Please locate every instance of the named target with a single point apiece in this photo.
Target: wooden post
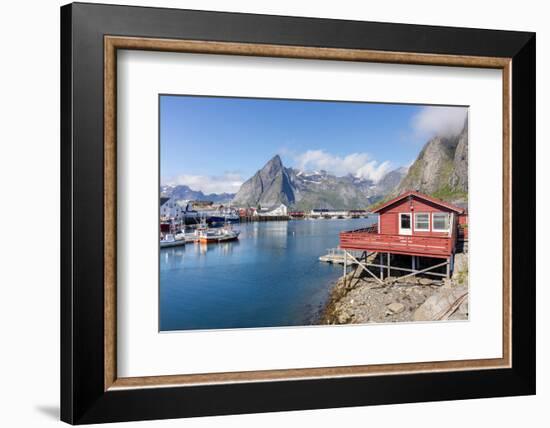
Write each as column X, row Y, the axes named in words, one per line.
column 345, row 266
column 381, row 264
column 363, row 266
column 413, row 267
column 448, row 266
column 389, row 268
column 424, row 270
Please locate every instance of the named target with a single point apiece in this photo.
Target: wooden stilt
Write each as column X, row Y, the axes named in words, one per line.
column 448, row 267
column 425, row 270
column 389, row 268
column 401, row 269
column 413, row 267
column 381, row 264
column 365, row 268
column 345, row 266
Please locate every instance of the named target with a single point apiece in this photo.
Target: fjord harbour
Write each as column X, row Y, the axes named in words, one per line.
column 270, row 277
column 285, row 212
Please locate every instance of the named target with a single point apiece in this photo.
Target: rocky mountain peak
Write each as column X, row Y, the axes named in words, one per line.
column 441, row 169
column 270, row 186
column 274, row 164
column 276, row 184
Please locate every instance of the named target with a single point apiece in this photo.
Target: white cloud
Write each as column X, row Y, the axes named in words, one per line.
column 358, row 164
column 442, row 121
column 227, row 183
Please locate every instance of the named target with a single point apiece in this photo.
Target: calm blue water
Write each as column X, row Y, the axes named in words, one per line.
column 270, row 277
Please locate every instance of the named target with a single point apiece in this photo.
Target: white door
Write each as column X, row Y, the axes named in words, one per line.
column 405, row 224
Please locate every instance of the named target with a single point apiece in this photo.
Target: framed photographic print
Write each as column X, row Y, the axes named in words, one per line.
column 264, row 213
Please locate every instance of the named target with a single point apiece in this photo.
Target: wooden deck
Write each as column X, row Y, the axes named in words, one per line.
column 370, row 240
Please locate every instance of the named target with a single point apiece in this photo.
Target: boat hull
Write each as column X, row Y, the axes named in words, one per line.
column 217, row 239
column 171, row 244
column 222, row 219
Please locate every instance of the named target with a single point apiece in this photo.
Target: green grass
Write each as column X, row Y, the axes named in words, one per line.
column 462, row 276
column 446, row 193
column 415, row 171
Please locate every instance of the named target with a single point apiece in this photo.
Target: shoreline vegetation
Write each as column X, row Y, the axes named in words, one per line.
column 362, row 300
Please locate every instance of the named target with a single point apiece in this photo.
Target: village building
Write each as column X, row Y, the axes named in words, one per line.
column 297, row 214
column 199, row 205
column 170, row 209
column 328, row 213
column 247, row 212
column 357, row 213
column 276, row 211
column 175, row 214
column 412, row 224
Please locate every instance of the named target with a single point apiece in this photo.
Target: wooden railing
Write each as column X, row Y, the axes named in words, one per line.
column 365, row 239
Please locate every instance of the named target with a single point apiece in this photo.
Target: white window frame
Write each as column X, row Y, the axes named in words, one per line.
column 406, row 232
column 448, row 222
column 421, row 229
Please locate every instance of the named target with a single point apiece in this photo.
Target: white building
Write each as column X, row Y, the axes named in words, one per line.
column 325, row 212
column 280, row 210
column 170, row 209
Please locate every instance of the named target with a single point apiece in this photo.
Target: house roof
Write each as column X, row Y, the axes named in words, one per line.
column 420, row 196
column 163, row 200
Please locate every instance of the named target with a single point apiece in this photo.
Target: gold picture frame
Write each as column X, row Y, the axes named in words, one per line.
column 114, row 43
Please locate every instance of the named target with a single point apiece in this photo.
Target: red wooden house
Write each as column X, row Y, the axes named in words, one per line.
column 411, row 224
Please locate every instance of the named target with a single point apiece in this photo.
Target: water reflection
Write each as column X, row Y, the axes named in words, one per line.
column 173, row 257
column 221, row 248
column 271, row 276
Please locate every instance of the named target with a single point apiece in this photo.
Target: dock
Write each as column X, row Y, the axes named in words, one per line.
column 336, row 256
column 249, row 218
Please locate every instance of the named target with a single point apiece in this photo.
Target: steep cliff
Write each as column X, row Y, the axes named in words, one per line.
column 269, row 186
column 441, row 169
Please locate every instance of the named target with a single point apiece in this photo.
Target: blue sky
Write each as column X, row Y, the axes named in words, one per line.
column 213, row 144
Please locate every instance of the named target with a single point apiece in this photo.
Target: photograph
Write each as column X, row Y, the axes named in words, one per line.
column 286, row 212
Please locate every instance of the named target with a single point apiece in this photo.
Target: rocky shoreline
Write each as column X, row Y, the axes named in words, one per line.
column 364, row 300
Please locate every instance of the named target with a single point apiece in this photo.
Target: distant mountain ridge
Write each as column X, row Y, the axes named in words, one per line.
column 276, row 184
column 391, row 180
column 440, row 170
column 183, row 192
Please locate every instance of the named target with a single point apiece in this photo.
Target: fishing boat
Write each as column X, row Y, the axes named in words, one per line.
column 223, row 234
column 192, row 234
column 223, row 218
column 170, row 240
column 232, row 217
column 189, row 236
column 215, row 218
